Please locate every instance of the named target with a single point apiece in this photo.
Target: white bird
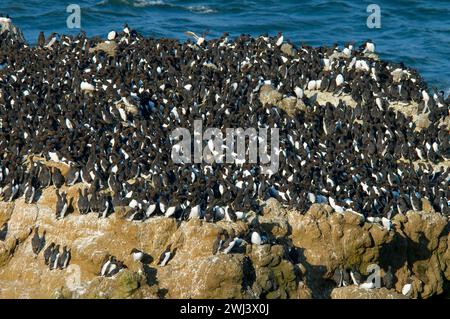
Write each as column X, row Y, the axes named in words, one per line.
column 298, row 92
column 336, row 207
column 137, row 254
column 339, row 80
column 69, row 124
column 311, row 85
column 312, row 198
column 170, row 211
column 370, row 47
column 105, row 268
column 256, row 238
column 367, row 285
column 406, row 290
column 425, row 97
column 280, row 39
column 150, row 210
column 200, row 40
column 387, row 224
column 195, row 212
column 85, row 86
column 112, row 35
column 166, row 258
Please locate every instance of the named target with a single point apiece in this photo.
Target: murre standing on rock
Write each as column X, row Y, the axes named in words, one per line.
column 166, row 256
column 57, row 178
column 111, row 266
column 407, row 288
column 48, row 253
column 41, row 39
column 72, row 176
column 341, row 277
column 61, row 205
column 388, row 278
column 200, row 40
column 30, row 192
column 137, row 254
column 355, row 276
column 83, row 202
column 64, row 260
column 54, row 257
column 37, row 243
column 3, row 231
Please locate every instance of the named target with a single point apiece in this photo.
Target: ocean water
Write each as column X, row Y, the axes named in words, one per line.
column 415, row 32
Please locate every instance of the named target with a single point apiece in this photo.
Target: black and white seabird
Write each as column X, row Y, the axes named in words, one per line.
column 54, row 258
column 388, row 278
column 57, row 178
column 166, row 256
column 64, row 259
column 62, row 205
column 3, row 231
column 48, row 253
column 37, row 242
column 83, row 202
column 137, row 254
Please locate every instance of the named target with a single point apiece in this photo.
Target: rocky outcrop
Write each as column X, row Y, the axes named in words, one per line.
column 354, row 292
column 195, row 271
column 416, row 247
column 15, row 33
column 298, row 261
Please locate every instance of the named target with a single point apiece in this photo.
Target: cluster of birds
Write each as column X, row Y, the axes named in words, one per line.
column 109, row 118
column 345, row 276
column 53, row 257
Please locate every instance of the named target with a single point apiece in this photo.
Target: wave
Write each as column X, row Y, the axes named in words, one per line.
column 135, row 3
column 199, row 9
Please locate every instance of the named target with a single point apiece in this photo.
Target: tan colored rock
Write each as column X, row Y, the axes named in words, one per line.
column 288, row 49
column 272, row 207
column 422, row 121
column 354, row 292
column 418, row 243
column 269, row 96
column 109, row 47
column 303, row 291
column 218, row 276
column 291, row 105
column 417, row 247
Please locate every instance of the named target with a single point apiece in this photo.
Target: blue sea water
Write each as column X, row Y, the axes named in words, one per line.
column 416, row 32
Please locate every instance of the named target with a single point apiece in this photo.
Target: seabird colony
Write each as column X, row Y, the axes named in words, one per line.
column 108, row 115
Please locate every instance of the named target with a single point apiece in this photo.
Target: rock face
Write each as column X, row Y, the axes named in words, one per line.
column 417, row 247
column 353, row 292
column 298, row 261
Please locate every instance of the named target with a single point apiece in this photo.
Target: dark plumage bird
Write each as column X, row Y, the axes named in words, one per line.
column 73, row 176
column 48, row 253
column 41, row 39
column 61, row 205
column 3, row 231
column 57, row 178
column 37, row 242
column 355, row 276
column 388, row 279
column 45, row 176
column 64, row 259
column 111, row 266
column 83, row 202
column 54, row 257
column 166, row 256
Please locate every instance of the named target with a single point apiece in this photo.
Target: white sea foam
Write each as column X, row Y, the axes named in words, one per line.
column 148, row 3
column 201, row 9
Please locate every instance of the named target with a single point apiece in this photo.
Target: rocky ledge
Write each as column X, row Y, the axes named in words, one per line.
column 302, row 253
